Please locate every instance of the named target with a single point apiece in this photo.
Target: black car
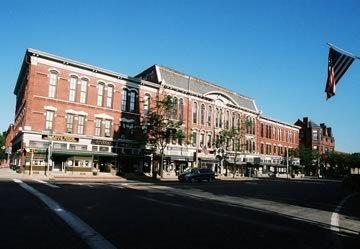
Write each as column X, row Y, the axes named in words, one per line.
column 197, row 175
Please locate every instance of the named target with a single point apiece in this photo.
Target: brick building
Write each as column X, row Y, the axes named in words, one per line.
column 74, row 117
column 316, row 137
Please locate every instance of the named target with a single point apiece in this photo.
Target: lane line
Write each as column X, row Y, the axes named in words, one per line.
column 335, row 215
column 46, row 183
column 87, row 233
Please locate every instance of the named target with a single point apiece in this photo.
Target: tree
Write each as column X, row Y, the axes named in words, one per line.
column 2, row 146
column 236, row 136
column 160, row 127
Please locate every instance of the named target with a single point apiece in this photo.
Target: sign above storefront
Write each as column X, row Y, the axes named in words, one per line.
column 101, row 142
column 61, row 138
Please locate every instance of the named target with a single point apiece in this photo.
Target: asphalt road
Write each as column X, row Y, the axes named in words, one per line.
column 249, row 214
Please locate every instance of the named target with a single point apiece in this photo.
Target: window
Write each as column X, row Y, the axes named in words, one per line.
column 315, row 135
column 227, row 120
column 209, row 116
column 202, row 114
column 262, row 130
column 221, row 118
column 109, row 96
column 124, row 100
column 174, row 113
column 146, row 103
column 132, row 101
column 181, row 110
column 72, row 87
column 52, row 83
column 101, row 88
column 49, row 119
column 98, row 127
column 209, row 141
column 217, row 117
column 127, row 130
column 69, row 123
column 81, row 124
column 83, row 90
column 262, row 148
column 107, row 128
column 233, row 121
column 202, row 139
column 193, row 138
column 195, row 113
column 238, row 122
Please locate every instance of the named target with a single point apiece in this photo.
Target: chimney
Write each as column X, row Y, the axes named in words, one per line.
column 306, row 121
column 329, row 132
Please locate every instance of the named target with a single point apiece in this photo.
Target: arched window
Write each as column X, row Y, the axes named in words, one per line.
column 217, row 117
column 181, row 110
column 109, row 96
column 100, row 97
column 53, row 78
column 233, row 120
column 195, row 112
column 209, row 115
column 132, row 101
column 238, row 122
column 253, row 126
column 124, row 99
column 146, row 104
column 83, row 90
column 202, row 114
column 221, row 118
column 175, row 108
column 227, row 120
column 72, row 88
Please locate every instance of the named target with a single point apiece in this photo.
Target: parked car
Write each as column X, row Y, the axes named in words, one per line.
column 352, row 183
column 197, row 175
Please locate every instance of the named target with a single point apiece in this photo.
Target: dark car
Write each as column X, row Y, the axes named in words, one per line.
column 197, row 175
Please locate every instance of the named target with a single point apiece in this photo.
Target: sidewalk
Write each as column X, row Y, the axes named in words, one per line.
column 8, row 174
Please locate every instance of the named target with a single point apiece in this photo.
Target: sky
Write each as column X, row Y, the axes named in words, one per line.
column 272, row 51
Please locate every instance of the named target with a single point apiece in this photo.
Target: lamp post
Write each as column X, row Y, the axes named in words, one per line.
column 287, row 163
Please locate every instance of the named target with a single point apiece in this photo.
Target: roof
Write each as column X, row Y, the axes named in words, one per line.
column 41, row 54
column 203, row 87
column 280, row 122
column 189, row 83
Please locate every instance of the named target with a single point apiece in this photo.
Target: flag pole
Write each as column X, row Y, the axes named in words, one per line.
column 342, row 50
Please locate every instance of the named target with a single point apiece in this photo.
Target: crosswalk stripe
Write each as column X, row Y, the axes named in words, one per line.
column 46, row 183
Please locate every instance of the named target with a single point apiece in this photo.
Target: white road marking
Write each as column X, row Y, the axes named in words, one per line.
column 335, row 215
column 46, row 183
column 87, row 233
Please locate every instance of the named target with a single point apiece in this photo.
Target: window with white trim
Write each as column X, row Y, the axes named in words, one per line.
column 69, row 123
column 193, row 138
column 124, row 99
column 49, row 119
column 209, row 115
column 83, row 90
column 81, row 124
column 53, row 78
column 181, row 110
column 146, row 104
column 195, row 113
column 109, row 96
column 132, row 101
column 100, row 97
column 202, row 114
column 98, row 127
column 72, row 88
column 107, row 130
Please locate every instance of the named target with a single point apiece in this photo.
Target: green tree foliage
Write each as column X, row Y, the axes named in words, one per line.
column 161, row 128
column 2, row 146
column 231, row 141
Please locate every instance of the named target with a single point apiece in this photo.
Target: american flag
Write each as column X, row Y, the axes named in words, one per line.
column 338, row 64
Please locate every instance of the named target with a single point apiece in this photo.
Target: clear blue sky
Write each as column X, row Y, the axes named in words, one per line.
column 272, row 51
